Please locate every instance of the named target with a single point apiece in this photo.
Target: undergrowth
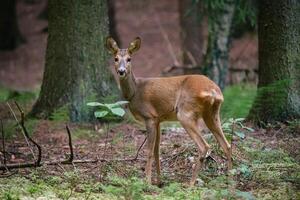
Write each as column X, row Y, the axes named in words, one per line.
column 19, row 96
column 260, row 172
column 237, row 100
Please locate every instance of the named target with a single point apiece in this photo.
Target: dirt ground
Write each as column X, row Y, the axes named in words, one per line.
column 177, row 156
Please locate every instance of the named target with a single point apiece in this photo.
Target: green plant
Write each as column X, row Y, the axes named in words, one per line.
column 4, row 94
column 19, row 96
column 230, row 127
column 10, row 196
column 108, row 111
column 245, row 171
column 60, row 115
column 132, row 188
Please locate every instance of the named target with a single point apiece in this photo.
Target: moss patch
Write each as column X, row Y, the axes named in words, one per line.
column 238, row 100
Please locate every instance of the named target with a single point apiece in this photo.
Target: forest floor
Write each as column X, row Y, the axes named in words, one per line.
column 266, row 162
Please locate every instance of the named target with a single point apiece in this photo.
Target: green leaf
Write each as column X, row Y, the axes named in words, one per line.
column 230, row 120
column 118, row 111
column 95, row 104
column 248, row 129
column 121, row 102
column 226, row 126
column 109, row 105
column 239, row 119
column 117, row 104
column 101, row 114
column 240, row 134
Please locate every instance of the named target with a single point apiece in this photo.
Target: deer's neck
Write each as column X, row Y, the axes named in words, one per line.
column 128, row 86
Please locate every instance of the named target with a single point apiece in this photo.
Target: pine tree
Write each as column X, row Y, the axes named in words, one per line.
column 76, row 70
column 278, row 97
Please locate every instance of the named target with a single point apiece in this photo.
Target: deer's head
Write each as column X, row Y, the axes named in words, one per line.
column 122, row 56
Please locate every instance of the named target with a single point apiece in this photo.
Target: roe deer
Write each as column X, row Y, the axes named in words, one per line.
column 183, row 98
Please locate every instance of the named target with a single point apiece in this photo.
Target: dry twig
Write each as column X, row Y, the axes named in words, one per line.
column 71, row 156
column 14, row 115
column 22, row 123
column 69, row 160
column 138, row 151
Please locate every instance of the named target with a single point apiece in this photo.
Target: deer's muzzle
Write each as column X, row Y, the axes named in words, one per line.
column 122, row 68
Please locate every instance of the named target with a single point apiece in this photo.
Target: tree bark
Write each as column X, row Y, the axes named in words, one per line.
column 216, row 58
column 10, row 36
column 278, row 97
column 76, row 70
column 192, row 38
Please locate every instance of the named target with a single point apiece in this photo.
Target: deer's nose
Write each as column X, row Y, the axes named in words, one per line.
column 121, row 72
column 122, row 68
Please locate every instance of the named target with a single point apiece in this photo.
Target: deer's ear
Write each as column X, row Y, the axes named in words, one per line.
column 134, row 45
column 111, row 45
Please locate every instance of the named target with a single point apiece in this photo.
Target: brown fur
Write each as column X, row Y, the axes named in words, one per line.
column 183, row 98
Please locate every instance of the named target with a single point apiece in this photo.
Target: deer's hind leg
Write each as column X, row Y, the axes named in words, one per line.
column 189, row 123
column 211, row 118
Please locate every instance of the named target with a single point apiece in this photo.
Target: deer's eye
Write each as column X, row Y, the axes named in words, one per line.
column 116, row 59
column 128, row 59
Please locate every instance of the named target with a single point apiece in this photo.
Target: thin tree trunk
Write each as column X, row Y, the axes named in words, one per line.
column 112, row 21
column 278, row 97
column 76, row 70
column 191, row 32
column 216, row 58
column 10, row 36
column 44, row 13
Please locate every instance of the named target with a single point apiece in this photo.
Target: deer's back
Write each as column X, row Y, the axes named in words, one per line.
column 158, row 97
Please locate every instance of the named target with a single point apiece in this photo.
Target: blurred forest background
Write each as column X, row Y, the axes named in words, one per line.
column 53, row 62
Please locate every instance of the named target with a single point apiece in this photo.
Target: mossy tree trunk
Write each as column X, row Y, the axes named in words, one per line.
column 76, row 70
column 192, row 38
column 278, row 97
column 10, row 36
column 216, row 57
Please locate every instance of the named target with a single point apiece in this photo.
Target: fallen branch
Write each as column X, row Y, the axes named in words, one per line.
column 18, row 165
column 39, row 158
column 26, row 165
column 92, row 161
column 69, row 160
column 8, row 174
column 14, row 115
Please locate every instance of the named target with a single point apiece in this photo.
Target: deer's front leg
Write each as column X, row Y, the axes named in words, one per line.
column 151, row 125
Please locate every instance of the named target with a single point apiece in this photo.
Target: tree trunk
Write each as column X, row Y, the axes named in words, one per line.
column 216, row 58
column 112, row 21
column 10, row 36
column 191, row 32
column 278, row 97
column 76, row 70
column 44, row 13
